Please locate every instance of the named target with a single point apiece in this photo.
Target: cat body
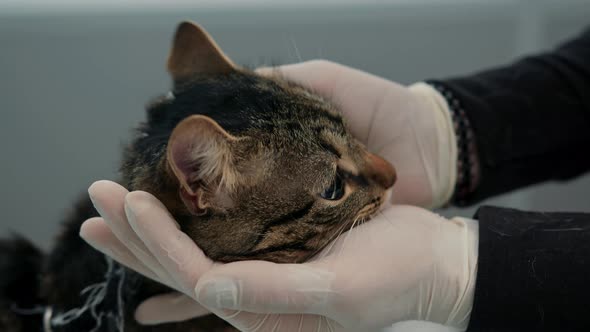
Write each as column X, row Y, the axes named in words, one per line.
column 251, row 167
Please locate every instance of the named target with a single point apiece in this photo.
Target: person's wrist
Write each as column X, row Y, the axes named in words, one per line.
column 468, row 170
column 442, row 177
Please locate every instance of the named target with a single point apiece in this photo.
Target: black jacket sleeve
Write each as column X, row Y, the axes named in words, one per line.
column 531, row 119
column 533, row 271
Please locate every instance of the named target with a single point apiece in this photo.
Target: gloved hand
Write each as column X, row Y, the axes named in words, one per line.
column 136, row 230
column 411, row 126
column 405, row 264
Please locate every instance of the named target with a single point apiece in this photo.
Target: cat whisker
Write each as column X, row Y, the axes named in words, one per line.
column 348, row 234
column 331, row 241
column 299, row 58
column 340, row 231
column 342, row 246
column 360, row 219
column 383, row 215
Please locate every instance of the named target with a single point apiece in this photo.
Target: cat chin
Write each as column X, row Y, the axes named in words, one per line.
column 281, row 257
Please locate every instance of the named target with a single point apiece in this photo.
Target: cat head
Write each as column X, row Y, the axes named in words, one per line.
column 252, row 167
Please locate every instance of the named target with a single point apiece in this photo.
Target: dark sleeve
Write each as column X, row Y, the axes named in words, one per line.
column 531, row 119
column 533, row 271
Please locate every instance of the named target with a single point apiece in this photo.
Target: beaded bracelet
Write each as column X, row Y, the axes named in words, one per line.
column 467, row 160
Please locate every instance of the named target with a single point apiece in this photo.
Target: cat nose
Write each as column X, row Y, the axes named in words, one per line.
column 380, row 171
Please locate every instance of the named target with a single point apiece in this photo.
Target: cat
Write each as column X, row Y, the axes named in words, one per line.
column 251, row 167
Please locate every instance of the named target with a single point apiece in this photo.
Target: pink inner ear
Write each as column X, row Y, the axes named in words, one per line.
column 180, row 151
column 197, row 154
column 197, row 151
column 193, row 201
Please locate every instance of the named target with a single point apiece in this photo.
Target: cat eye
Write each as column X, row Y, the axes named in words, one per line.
column 335, row 191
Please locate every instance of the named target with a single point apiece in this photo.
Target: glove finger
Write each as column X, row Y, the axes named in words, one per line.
column 168, row 308
column 108, row 198
column 359, row 94
column 175, row 251
column 253, row 322
column 97, row 234
column 265, row 287
column 315, row 74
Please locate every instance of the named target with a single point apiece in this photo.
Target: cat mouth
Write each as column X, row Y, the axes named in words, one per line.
column 367, row 213
column 372, row 208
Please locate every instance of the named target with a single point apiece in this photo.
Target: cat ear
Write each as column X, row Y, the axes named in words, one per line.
column 195, row 52
column 199, row 154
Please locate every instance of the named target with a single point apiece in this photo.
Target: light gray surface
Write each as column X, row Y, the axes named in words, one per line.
column 71, row 86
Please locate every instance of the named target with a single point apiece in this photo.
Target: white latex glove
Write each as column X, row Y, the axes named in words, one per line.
column 411, row 127
column 405, row 264
column 154, row 247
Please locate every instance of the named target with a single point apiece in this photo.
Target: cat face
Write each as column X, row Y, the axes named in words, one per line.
column 252, row 167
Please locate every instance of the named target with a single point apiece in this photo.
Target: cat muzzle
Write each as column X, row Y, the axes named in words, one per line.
column 380, row 171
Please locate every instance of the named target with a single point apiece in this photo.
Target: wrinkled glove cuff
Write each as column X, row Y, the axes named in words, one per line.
column 443, row 177
column 467, row 161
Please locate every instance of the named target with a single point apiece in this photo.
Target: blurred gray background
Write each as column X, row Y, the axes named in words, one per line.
column 74, row 78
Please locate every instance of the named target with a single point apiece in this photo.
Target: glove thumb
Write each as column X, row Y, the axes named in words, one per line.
column 264, row 287
column 168, row 308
